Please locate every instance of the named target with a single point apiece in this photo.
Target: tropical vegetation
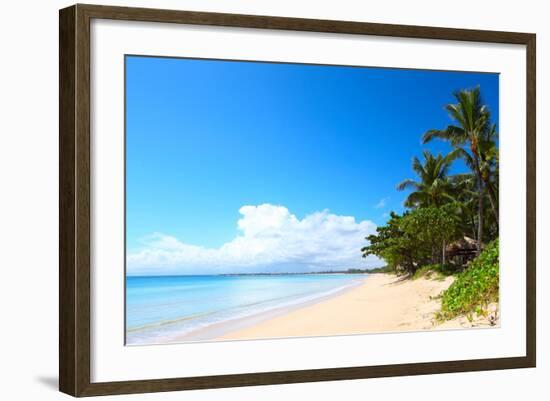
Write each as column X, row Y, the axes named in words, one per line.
column 443, row 209
column 474, row 137
column 475, row 288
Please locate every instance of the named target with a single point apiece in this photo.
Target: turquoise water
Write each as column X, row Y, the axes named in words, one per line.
column 159, row 308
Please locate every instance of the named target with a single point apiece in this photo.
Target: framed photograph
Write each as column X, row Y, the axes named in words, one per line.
column 249, row 200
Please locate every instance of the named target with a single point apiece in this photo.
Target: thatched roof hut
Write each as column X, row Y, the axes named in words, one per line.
column 461, row 245
column 462, row 250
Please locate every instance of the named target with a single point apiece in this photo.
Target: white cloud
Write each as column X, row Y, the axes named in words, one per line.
column 270, row 239
column 381, row 203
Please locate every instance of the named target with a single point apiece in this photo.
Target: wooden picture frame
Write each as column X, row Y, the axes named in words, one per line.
column 74, row 200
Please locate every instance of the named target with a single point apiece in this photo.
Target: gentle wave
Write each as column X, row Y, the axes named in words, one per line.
column 299, row 290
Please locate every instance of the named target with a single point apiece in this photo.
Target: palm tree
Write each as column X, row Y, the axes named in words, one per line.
column 433, row 187
column 489, row 160
column 465, row 196
column 473, row 119
column 488, row 165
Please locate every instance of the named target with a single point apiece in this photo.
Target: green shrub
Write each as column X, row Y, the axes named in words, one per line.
column 475, row 287
column 437, row 271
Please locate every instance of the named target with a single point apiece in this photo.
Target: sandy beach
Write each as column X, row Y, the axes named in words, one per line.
column 382, row 303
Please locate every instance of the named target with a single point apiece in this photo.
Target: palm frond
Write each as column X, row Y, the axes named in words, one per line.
column 452, row 156
column 418, row 168
column 407, row 184
column 433, row 133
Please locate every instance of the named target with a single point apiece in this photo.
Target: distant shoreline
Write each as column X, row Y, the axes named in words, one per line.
column 349, row 271
column 292, row 274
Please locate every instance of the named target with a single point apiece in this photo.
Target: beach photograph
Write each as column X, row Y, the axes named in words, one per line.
column 271, row 200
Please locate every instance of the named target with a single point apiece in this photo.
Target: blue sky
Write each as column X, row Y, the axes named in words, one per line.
column 206, row 137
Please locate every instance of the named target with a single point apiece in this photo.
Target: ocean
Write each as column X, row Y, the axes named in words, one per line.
column 163, row 308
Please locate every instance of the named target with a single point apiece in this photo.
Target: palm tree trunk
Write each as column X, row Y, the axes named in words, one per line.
column 480, row 213
column 473, row 227
column 443, row 255
column 492, row 200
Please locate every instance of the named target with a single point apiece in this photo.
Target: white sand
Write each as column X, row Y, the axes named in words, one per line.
column 382, row 303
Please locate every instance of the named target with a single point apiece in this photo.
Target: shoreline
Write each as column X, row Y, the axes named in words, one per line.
column 377, row 303
column 383, row 303
column 216, row 331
